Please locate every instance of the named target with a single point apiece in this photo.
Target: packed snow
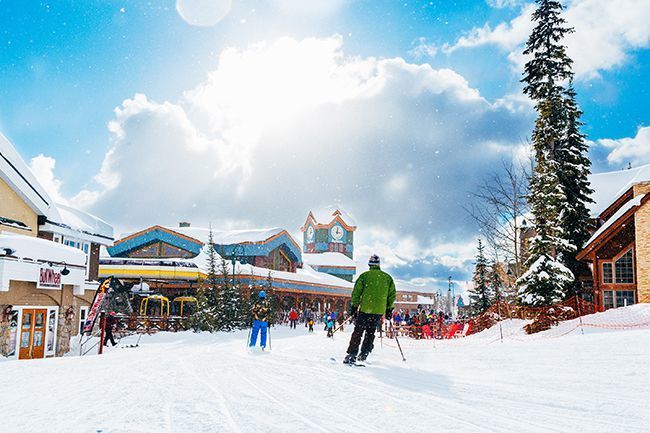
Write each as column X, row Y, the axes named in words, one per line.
column 558, row 381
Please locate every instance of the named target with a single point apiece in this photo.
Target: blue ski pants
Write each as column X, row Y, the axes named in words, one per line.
column 258, row 326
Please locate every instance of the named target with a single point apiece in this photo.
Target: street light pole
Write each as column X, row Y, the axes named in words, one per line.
column 234, row 259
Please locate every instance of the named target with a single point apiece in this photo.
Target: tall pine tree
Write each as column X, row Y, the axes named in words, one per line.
column 481, row 295
column 573, row 176
column 208, row 314
column 559, row 187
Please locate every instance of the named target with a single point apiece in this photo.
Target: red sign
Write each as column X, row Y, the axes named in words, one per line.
column 49, row 278
column 97, row 302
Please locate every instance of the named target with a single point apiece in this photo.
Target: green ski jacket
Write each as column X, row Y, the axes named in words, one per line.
column 374, row 291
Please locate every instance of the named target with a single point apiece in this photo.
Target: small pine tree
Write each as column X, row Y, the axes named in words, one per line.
column 480, row 296
column 209, row 296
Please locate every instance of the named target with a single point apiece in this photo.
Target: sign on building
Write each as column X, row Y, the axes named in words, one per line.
column 49, row 278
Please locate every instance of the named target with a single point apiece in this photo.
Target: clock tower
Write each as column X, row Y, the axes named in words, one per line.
column 329, row 230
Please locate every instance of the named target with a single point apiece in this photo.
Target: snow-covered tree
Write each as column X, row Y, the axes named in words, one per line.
column 481, row 294
column 573, row 176
column 231, row 300
column 559, row 189
column 209, row 296
column 546, row 277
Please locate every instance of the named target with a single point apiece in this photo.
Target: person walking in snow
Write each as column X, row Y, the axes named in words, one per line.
column 260, row 310
column 373, row 296
column 110, row 321
column 293, row 318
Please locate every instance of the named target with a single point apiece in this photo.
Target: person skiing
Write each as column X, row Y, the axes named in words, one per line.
column 329, row 325
column 293, row 318
column 110, row 321
column 260, row 310
column 373, row 296
column 311, row 325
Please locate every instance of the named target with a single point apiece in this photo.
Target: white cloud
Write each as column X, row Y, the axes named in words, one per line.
column 606, row 32
column 422, row 48
column 635, row 150
column 283, row 126
column 43, row 169
column 508, row 35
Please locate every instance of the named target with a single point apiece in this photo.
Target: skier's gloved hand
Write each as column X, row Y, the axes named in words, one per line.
column 353, row 312
column 389, row 313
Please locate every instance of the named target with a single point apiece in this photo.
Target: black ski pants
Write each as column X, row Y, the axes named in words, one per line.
column 365, row 323
column 108, row 336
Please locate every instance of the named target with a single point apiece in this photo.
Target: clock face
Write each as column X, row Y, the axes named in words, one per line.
column 337, row 233
column 310, row 233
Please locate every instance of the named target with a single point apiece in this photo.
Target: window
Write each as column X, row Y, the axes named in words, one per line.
column 624, row 298
column 617, row 298
column 625, row 269
column 607, row 273
column 608, row 299
column 83, row 314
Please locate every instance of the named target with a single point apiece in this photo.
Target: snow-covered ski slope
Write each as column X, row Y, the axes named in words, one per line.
column 186, row 382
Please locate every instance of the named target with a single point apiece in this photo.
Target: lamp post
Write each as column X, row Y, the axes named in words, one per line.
column 237, row 252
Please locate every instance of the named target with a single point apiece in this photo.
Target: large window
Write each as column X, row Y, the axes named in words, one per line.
column 618, row 298
column 624, row 298
column 625, row 269
column 607, row 273
column 620, row 271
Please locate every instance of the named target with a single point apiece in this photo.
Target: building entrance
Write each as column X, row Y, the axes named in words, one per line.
column 32, row 334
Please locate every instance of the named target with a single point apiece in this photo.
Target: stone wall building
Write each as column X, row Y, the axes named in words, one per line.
column 49, row 259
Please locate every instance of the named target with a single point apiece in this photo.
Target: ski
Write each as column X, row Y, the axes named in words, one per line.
column 354, row 364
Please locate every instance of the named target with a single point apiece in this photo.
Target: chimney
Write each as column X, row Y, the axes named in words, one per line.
column 183, row 224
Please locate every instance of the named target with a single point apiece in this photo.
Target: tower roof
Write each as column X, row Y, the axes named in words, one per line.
column 326, row 216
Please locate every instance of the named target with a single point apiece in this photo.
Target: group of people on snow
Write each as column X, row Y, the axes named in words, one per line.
column 373, row 298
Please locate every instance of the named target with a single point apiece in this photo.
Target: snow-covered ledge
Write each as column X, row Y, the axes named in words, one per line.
column 26, row 258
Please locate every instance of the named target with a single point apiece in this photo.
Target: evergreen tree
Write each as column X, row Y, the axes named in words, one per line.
column 209, row 296
column 573, row 176
column 559, row 188
column 480, row 296
column 230, row 317
column 550, row 65
column 546, row 277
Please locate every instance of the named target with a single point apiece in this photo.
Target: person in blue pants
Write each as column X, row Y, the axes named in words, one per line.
column 260, row 312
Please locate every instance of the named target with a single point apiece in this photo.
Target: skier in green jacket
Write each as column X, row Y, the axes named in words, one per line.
column 373, row 295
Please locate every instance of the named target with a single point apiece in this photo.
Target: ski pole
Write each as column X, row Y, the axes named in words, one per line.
column 341, row 326
column 397, row 341
column 248, row 339
column 270, row 348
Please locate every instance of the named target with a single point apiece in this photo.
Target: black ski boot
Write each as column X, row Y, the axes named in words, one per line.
column 350, row 359
column 363, row 356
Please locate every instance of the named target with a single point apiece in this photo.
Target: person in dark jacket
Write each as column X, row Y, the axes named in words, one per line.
column 111, row 321
column 261, row 310
column 373, row 296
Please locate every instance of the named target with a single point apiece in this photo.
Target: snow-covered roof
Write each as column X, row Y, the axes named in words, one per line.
column 74, row 222
column 37, row 249
column 305, row 275
column 228, row 237
column 15, row 172
column 327, row 214
column 327, row 259
column 633, row 202
column 19, row 176
column 611, row 185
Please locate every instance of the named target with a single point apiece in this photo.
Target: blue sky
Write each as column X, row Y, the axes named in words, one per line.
column 65, row 66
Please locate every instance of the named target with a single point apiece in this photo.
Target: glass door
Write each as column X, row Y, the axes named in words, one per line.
column 32, row 334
